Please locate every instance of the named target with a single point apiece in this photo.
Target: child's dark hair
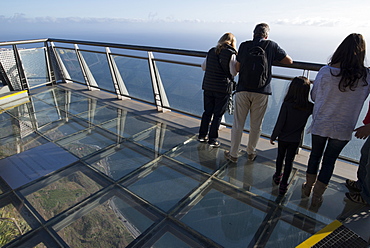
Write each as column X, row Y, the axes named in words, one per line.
column 298, row 92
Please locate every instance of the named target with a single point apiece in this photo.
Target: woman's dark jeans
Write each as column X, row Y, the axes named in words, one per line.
column 215, row 104
column 331, row 153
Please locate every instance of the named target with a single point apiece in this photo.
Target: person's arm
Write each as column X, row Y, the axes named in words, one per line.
column 232, row 65
column 316, row 84
column 362, row 132
column 237, row 66
column 204, row 64
column 287, row 60
column 279, row 123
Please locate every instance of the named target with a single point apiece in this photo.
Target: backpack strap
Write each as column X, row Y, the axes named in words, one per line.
column 265, row 45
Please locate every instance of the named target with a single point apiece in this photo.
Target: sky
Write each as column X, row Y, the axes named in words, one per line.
column 307, row 30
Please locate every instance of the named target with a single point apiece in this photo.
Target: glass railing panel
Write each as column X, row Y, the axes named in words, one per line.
column 120, row 161
column 7, row 59
column 71, row 63
column 99, row 67
column 234, row 222
column 60, row 192
column 34, row 65
column 136, row 76
column 165, row 176
column 183, row 86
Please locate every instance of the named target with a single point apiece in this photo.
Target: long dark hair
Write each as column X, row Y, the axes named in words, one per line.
column 350, row 54
column 298, row 92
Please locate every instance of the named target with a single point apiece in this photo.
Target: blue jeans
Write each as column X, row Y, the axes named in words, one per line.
column 215, row 104
column 363, row 171
column 331, row 148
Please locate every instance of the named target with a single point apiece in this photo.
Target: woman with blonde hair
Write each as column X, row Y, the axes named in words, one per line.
column 339, row 92
column 219, row 67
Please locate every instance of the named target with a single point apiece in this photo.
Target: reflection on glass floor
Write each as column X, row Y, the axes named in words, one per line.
column 122, row 178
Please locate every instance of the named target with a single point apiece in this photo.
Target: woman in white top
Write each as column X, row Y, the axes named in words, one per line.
column 339, row 92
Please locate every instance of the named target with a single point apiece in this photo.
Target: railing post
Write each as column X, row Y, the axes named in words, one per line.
column 89, row 78
column 63, row 69
column 49, row 67
column 22, row 76
column 118, row 82
column 160, row 97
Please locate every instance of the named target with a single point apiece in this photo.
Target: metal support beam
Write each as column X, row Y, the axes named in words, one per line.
column 118, row 82
column 160, row 97
column 22, row 75
column 89, row 78
column 63, row 69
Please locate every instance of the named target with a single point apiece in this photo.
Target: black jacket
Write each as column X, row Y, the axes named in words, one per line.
column 215, row 76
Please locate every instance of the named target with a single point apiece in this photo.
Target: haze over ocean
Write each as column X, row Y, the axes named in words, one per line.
column 309, row 31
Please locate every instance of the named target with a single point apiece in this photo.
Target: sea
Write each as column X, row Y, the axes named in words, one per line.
column 299, row 45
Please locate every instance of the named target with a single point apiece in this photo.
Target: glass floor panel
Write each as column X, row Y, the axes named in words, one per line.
column 153, row 184
column 62, row 128
column 233, row 222
column 87, row 142
column 119, row 161
column 110, row 220
column 61, row 192
column 125, row 119
column 200, row 156
column 135, row 180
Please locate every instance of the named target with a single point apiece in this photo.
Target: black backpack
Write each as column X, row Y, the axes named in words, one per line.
column 255, row 66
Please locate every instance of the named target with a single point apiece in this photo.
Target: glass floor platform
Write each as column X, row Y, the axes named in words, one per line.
column 82, row 169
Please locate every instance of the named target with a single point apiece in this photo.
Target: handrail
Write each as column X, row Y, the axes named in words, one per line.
column 295, row 65
column 7, row 43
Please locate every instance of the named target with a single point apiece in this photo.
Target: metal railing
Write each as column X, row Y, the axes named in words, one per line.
column 106, row 66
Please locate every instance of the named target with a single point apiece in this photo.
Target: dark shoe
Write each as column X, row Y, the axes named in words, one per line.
column 230, row 158
column 283, row 188
column 356, row 197
column 214, row 144
column 352, row 186
column 276, row 178
column 252, row 157
column 202, row 139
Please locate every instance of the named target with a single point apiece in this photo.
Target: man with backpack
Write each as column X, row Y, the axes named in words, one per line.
column 254, row 62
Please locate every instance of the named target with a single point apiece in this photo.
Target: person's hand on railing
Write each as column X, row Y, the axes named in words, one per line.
column 362, row 132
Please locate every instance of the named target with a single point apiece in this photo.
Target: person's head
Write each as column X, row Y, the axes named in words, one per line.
column 298, row 92
column 350, row 57
column 261, row 31
column 226, row 39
